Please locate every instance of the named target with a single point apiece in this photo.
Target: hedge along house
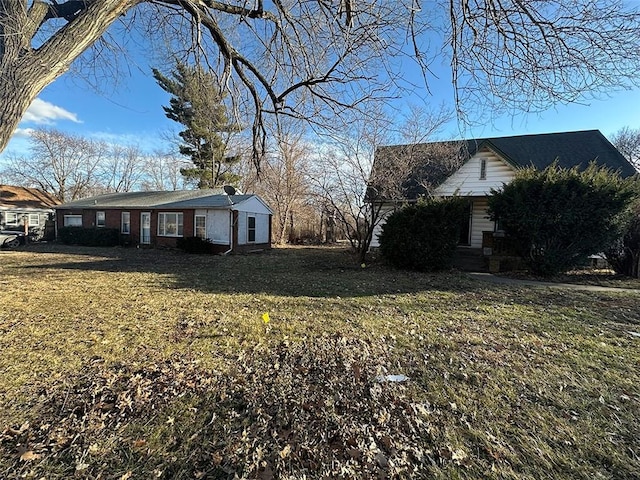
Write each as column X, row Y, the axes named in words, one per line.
column 234, row 223
column 471, row 168
column 26, row 209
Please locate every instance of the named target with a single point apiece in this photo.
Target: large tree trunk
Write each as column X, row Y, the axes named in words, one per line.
column 24, row 71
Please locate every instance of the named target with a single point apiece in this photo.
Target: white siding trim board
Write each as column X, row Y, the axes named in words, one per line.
column 467, row 182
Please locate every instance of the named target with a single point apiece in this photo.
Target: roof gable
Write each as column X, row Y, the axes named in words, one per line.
column 569, row 149
column 434, row 164
column 25, row 198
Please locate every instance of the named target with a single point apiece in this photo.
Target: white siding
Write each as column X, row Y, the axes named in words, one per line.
column 242, row 228
column 252, row 205
column 479, row 222
column 384, row 212
column 466, row 181
column 262, row 227
column 217, row 225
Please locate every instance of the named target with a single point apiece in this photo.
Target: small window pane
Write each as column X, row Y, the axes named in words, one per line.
column 73, row 220
column 201, row 226
column 12, row 218
column 180, row 224
column 100, row 219
column 126, row 223
column 251, row 229
column 34, row 220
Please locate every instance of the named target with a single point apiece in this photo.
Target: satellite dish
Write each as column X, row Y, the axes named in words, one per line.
column 229, row 190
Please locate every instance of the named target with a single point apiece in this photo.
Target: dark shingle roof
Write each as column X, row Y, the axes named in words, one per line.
column 176, row 199
column 24, row 198
column 570, row 149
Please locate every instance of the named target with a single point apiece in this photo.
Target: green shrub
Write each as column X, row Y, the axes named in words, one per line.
column 624, row 254
column 558, row 217
column 195, row 245
column 424, row 236
column 91, row 237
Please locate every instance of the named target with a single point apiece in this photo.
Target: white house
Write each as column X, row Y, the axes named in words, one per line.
column 472, row 168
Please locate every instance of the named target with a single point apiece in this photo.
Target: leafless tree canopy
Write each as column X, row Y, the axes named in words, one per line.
column 283, row 183
column 63, row 165
column 627, row 141
column 408, row 172
column 355, row 191
column 71, row 167
column 311, row 58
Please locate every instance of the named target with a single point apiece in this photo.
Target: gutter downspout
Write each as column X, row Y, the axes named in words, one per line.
column 230, row 233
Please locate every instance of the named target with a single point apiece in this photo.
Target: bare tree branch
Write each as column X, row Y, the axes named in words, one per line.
column 315, row 58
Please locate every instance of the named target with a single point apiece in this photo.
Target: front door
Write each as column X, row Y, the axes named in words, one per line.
column 465, row 228
column 145, row 228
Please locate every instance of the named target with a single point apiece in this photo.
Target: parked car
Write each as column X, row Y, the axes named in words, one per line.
column 12, row 239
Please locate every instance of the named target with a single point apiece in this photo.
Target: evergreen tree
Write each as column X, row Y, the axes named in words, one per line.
column 198, row 104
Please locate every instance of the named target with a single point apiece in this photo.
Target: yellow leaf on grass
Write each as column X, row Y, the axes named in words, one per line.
column 265, row 317
column 284, row 453
column 29, row 456
column 139, row 443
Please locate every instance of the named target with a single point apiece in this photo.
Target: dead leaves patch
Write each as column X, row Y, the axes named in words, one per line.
column 314, row 409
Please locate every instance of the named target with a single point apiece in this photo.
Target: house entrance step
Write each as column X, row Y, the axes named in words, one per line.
column 470, row 260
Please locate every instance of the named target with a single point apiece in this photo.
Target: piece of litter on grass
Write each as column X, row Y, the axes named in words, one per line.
column 633, row 334
column 392, row 378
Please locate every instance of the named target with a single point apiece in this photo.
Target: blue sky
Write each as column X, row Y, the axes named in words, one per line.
column 131, row 113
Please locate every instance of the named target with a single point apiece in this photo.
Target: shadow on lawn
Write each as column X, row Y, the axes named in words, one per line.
column 297, row 271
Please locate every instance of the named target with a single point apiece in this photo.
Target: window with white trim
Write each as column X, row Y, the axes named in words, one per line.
column 251, row 229
column 73, row 220
column 101, row 219
column 125, row 223
column 34, row 219
column 201, row 226
column 170, row 224
column 11, row 218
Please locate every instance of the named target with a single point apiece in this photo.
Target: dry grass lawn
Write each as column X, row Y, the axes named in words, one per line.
column 137, row 364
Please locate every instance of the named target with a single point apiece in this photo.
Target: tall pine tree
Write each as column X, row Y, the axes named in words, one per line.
column 197, row 103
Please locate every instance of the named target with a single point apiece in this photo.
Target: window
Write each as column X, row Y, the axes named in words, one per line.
column 145, row 228
column 34, row 220
column 73, row 220
column 11, row 218
column 483, row 169
column 125, row 223
column 201, row 226
column 251, row 229
column 100, row 219
column 170, row 224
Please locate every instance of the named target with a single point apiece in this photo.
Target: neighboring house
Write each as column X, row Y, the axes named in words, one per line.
column 26, row 209
column 480, row 165
column 235, row 223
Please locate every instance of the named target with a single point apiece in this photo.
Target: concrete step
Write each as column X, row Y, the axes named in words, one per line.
column 470, row 260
